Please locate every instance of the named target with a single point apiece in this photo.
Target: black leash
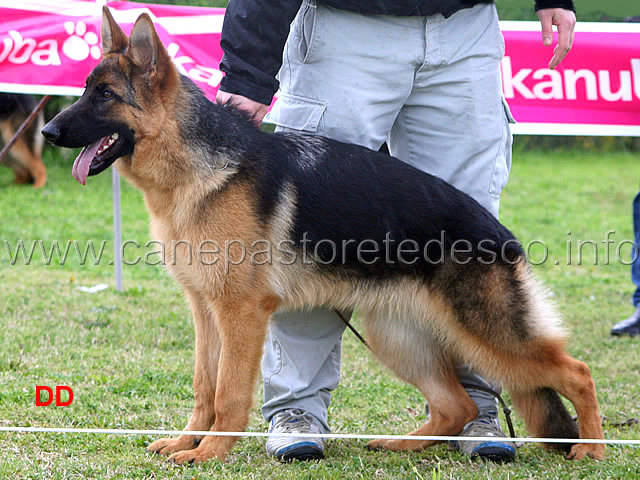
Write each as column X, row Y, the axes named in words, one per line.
column 355, row 332
column 505, row 409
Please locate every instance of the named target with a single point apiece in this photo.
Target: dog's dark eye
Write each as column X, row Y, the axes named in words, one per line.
column 107, row 94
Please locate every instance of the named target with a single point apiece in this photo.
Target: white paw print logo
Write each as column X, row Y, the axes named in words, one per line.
column 81, row 43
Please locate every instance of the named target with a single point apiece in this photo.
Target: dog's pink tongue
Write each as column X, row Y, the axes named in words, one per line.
column 83, row 161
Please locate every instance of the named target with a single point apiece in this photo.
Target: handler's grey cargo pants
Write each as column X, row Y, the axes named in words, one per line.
column 430, row 87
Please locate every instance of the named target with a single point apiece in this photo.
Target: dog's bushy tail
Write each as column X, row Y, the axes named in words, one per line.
column 546, row 416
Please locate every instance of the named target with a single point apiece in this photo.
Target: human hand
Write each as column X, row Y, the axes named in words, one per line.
column 256, row 110
column 565, row 20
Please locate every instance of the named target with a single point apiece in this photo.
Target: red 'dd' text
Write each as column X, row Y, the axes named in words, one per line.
column 45, row 396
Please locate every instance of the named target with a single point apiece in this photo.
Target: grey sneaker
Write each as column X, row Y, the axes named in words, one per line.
column 295, row 448
column 486, row 425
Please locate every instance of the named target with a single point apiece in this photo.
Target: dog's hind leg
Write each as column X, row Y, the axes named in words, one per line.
column 547, row 417
column 242, row 325
column 417, row 357
column 502, row 324
column 579, row 388
column 204, row 381
column 450, row 409
column 535, row 368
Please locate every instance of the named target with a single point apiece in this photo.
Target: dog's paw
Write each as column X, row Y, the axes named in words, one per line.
column 376, row 445
column 168, row 446
column 197, row 455
column 582, row 450
column 397, row 445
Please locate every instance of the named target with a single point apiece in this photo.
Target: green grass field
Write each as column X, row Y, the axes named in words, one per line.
column 129, row 356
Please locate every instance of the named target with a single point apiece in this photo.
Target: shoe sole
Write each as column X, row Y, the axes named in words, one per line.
column 495, row 452
column 631, row 333
column 302, row 453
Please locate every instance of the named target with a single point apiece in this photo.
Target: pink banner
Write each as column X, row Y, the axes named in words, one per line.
column 51, row 46
column 594, row 91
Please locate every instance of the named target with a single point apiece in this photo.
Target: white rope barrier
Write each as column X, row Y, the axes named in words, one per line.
column 444, row 438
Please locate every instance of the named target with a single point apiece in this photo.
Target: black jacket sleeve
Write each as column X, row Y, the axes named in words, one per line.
column 566, row 4
column 253, row 37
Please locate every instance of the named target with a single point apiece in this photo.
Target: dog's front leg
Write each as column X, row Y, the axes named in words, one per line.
column 242, row 328
column 204, row 380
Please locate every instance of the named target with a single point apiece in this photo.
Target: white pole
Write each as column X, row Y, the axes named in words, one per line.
column 117, row 232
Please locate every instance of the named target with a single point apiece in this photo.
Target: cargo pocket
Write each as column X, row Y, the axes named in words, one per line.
column 293, row 112
column 502, row 166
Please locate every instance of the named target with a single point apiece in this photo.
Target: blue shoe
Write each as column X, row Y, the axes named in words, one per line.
column 295, row 448
column 486, row 425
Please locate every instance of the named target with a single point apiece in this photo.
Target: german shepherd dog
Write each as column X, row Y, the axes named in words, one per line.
column 209, row 177
column 25, row 157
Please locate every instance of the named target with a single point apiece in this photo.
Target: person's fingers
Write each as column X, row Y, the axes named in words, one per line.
column 547, row 27
column 260, row 114
column 256, row 111
column 222, row 97
column 565, row 21
column 565, row 42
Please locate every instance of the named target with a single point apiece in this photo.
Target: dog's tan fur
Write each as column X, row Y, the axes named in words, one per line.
column 412, row 326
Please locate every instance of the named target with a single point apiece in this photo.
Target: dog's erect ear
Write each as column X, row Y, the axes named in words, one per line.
column 145, row 48
column 114, row 39
column 142, row 47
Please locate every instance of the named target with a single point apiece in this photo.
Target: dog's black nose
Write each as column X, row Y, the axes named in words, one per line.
column 51, row 132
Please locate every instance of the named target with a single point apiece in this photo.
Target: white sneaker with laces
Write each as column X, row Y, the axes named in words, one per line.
column 295, row 448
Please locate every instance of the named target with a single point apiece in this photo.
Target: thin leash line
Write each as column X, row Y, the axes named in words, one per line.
column 445, row 438
column 352, row 328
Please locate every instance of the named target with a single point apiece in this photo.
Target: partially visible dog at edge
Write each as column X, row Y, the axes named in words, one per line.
column 208, row 175
column 25, row 157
